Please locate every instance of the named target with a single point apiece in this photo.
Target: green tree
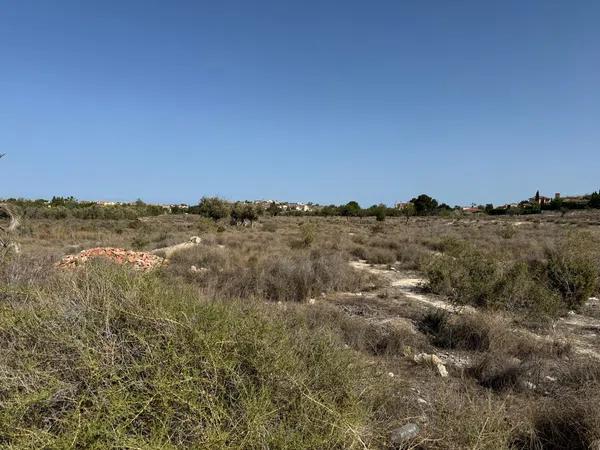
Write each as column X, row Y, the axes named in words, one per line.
column 213, row 207
column 350, row 209
column 249, row 213
column 594, row 201
column 241, row 212
column 424, row 205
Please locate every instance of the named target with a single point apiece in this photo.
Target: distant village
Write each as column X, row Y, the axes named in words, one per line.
column 421, row 205
column 539, row 200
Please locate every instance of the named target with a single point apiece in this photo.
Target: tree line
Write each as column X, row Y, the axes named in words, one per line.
column 246, row 212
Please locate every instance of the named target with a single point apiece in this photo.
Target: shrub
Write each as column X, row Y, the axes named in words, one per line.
column 139, row 242
column 380, row 256
column 507, row 232
column 474, row 277
column 108, row 359
column 498, row 372
column 466, row 332
column 567, row 422
column 573, row 270
column 206, row 225
column 411, row 255
column 468, row 278
column 524, row 288
column 359, row 252
column 307, row 236
column 214, row 208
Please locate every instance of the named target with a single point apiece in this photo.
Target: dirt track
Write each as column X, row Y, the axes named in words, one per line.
column 583, row 332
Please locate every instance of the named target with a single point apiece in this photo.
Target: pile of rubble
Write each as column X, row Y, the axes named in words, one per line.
column 138, row 260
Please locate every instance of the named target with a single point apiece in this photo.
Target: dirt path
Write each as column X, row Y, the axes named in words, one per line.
column 583, row 332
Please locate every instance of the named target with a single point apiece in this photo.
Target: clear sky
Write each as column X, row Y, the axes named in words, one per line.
column 324, row 101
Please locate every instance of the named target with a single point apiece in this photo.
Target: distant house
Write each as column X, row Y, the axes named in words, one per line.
column 540, row 200
column 106, row 203
column 401, row 205
column 299, row 207
column 471, row 210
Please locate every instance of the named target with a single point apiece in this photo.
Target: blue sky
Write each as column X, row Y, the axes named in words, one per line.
column 469, row 101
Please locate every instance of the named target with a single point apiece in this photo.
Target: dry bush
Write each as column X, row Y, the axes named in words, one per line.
column 467, row 332
column 573, row 269
column 288, row 277
column 504, row 358
column 359, row 252
column 568, row 421
column 380, row 256
column 379, row 339
column 411, row 255
column 460, row 417
column 523, row 287
column 498, row 372
column 306, row 236
column 486, row 332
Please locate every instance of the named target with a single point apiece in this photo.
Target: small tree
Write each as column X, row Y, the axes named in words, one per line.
column 213, row 207
column 408, row 211
column 273, row 209
column 350, row 209
column 424, row 204
column 249, row 213
column 242, row 212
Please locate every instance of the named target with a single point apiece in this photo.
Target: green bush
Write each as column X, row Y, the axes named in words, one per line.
column 524, row 287
column 469, row 277
column 104, row 358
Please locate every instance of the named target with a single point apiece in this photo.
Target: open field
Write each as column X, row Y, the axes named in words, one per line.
column 305, row 332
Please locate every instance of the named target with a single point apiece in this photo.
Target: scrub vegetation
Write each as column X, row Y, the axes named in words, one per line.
column 304, row 332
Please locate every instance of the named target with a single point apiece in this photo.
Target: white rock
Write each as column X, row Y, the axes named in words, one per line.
column 404, row 433
column 195, row 269
column 432, row 360
column 442, row 370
